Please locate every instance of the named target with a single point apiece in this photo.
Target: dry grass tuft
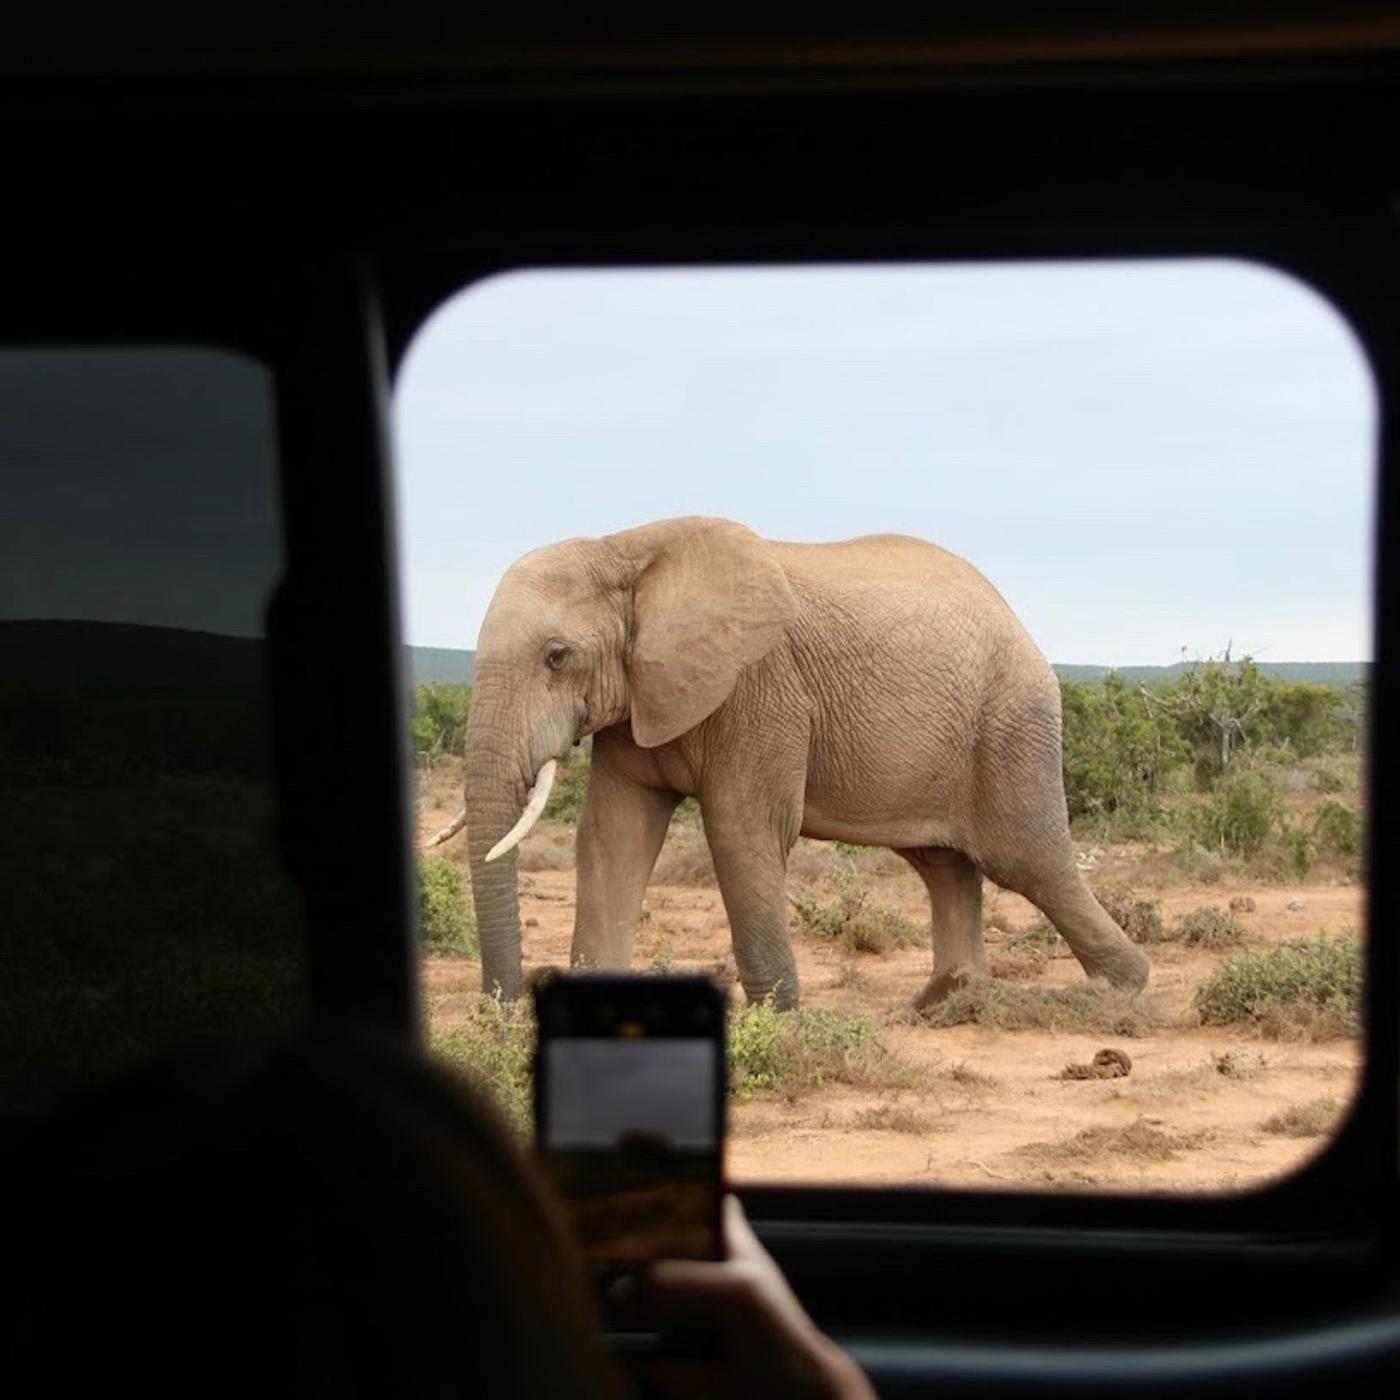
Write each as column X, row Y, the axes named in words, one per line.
column 1239, row 1064
column 849, row 975
column 1091, row 1006
column 1140, row 919
column 1017, row 967
column 1140, row 1140
column 1305, row 1120
column 892, row 1118
column 1040, row 938
column 1209, row 927
column 965, row 1077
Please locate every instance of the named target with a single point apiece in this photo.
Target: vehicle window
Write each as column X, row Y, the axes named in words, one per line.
column 145, row 907
column 970, row 666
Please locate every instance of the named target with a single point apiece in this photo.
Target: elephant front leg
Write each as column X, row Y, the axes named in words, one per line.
column 620, row 831
column 751, row 865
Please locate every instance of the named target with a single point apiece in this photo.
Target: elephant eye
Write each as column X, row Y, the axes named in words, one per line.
column 556, row 656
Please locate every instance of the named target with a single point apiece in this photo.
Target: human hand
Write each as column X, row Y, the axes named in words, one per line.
column 768, row 1347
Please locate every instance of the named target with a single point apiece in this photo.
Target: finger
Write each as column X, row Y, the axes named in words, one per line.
column 740, row 1240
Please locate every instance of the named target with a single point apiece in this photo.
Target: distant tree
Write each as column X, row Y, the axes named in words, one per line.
column 439, row 723
column 1298, row 716
column 1117, row 750
column 1346, row 722
column 1220, row 708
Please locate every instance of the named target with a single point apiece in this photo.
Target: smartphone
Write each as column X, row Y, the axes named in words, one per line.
column 629, row 1112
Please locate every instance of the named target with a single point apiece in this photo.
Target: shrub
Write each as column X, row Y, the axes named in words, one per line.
column 1295, row 851
column 1140, row 1139
column 1217, row 708
column 494, row 1046
column 439, row 722
column 1303, row 1120
column 793, row 1052
column 1039, row 937
column 849, row 921
column 1209, row 927
column 1116, row 753
column 1238, row 818
column 1327, row 780
column 1309, row 987
column 446, row 923
column 1298, row 715
column 787, row 1052
column 892, row 1118
column 570, row 788
column 1339, row 827
column 1008, row 1006
column 1019, row 967
column 1140, row 919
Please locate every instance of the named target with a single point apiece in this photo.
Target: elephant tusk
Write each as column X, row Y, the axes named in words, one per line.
column 449, row 831
column 539, row 795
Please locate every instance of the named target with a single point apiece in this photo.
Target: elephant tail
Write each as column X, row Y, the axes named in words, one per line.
column 449, row 831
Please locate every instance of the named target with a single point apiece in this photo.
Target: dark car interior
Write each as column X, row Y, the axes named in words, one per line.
column 223, row 232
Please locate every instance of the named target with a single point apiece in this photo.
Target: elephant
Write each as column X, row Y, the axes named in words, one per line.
column 878, row 691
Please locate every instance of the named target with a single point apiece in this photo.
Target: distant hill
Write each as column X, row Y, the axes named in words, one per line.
column 48, row 653
column 1317, row 672
column 443, row 664
column 440, row 664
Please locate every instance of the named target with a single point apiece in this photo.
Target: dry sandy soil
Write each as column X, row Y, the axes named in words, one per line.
column 991, row 1110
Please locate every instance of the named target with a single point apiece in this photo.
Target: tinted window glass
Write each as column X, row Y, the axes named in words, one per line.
column 1100, row 712
column 145, row 907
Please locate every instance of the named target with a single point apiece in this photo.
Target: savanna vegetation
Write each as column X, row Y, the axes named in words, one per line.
column 1219, row 815
column 1222, row 763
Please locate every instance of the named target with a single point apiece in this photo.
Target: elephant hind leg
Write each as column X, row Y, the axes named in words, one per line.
column 954, row 887
column 1103, row 949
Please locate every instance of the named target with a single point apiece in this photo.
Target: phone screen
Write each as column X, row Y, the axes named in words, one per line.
column 630, row 1121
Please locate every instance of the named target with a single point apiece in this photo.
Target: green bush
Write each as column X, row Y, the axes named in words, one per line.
column 570, row 787
column 1307, row 987
column 1208, row 927
column 1117, row 754
column 853, row 924
column 1237, row 819
column 1298, row 715
column 439, row 722
column 446, row 923
column 1327, row 780
column 1223, row 710
column 1347, row 721
column 1339, row 827
column 784, row 1052
column 1295, row 849
column 494, row 1047
column 793, row 1052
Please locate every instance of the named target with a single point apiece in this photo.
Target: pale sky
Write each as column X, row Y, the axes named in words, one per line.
column 1142, row 456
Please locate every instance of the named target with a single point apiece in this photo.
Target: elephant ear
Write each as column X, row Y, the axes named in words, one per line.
column 710, row 599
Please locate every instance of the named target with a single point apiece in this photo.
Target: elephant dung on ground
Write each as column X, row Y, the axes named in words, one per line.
column 876, row 690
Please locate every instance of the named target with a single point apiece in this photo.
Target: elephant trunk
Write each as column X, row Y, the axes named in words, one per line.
column 495, row 796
